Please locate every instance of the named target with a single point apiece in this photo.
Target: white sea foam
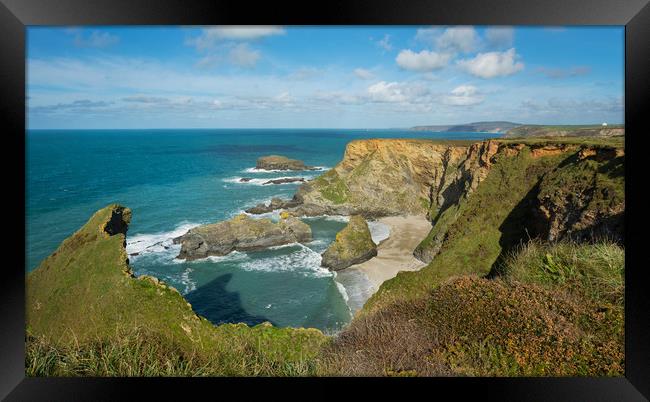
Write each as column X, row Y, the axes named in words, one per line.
column 358, row 288
column 189, row 284
column 230, row 257
column 260, row 182
column 304, row 260
column 281, row 246
column 273, row 215
column 336, row 218
column 161, row 242
column 256, row 170
column 343, row 291
column 378, row 231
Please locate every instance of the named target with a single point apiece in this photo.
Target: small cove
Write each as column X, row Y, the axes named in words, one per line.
column 176, row 179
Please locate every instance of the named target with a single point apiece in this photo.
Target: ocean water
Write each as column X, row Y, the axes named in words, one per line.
column 176, row 179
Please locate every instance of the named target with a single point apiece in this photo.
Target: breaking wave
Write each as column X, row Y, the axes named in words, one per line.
column 256, row 170
column 162, row 242
column 260, row 182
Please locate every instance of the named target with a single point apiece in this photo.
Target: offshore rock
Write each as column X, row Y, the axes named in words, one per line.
column 241, row 233
column 353, row 245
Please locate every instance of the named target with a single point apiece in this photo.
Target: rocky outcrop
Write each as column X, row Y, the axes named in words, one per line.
column 383, row 177
column 584, row 198
column 278, row 162
column 276, row 203
column 353, row 245
column 285, row 180
column 241, row 233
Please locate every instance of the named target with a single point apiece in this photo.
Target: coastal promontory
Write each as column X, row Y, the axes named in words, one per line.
column 241, row 233
column 353, row 245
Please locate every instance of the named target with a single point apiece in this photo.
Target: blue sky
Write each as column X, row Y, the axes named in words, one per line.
column 322, row 77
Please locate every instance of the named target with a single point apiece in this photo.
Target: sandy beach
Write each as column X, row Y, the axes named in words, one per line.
column 395, row 254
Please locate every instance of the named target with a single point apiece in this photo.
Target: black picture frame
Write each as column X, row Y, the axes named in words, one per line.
column 15, row 15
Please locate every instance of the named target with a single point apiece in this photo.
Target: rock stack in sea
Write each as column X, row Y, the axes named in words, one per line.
column 353, row 245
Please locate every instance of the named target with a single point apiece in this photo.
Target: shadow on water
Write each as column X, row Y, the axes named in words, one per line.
column 219, row 305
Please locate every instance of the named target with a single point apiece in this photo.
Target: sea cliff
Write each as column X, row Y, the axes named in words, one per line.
column 384, row 177
column 524, row 275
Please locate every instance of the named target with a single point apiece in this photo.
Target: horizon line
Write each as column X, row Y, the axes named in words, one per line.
column 314, row 128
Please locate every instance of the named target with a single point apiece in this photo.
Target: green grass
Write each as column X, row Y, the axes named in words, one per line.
column 332, row 187
column 146, row 354
column 594, row 271
column 560, row 130
column 608, row 142
column 603, row 181
column 84, row 295
column 526, row 323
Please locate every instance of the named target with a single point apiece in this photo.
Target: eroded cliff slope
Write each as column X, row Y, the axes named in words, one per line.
column 382, row 177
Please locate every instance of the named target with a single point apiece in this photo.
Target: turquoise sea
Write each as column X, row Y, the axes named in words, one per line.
column 177, row 178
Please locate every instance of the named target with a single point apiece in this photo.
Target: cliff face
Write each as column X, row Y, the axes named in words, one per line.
column 572, row 191
column 382, row 177
column 584, row 198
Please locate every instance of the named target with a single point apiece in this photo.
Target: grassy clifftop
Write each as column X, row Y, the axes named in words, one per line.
column 557, row 312
column 531, row 130
column 84, row 308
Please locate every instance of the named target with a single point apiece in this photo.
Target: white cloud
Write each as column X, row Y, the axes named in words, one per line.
column 396, row 92
column 244, row 56
column 210, row 36
column 284, row 97
column 385, row 44
column 464, row 95
column 209, row 61
column 77, row 106
column 463, row 39
column 337, row 97
column 363, row 74
column 95, row 39
column 492, row 64
column 422, row 61
column 216, row 42
column 428, row 35
column 500, row 36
